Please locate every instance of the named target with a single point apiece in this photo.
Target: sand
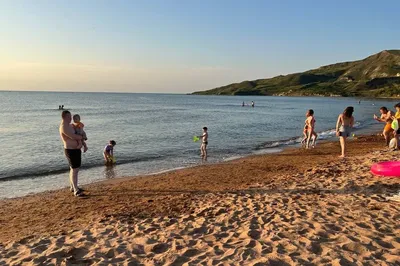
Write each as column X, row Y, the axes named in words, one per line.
column 294, row 208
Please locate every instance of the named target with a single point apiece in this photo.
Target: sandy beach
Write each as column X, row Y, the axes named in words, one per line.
column 298, row 207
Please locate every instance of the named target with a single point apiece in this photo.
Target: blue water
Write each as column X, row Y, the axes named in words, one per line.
column 153, row 132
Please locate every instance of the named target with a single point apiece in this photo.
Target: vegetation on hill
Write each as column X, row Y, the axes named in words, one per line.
column 375, row 76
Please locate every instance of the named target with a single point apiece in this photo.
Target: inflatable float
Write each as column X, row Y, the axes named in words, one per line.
column 391, row 169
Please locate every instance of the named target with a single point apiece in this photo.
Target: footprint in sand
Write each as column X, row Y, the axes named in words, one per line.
column 157, row 248
column 356, row 248
column 190, row 252
column 275, row 262
column 254, row 234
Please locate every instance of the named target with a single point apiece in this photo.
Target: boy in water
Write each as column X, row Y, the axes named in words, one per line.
column 204, row 143
column 108, row 152
column 78, row 127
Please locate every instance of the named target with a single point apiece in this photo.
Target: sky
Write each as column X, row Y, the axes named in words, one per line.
column 172, row 46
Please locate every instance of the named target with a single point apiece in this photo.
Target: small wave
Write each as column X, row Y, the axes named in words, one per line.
column 233, row 158
column 168, row 170
column 268, row 151
column 323, row 135
column 33, row 173
column 326, row 134
column 278, row 143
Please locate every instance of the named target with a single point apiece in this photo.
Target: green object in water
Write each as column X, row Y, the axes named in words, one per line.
column 196, row 138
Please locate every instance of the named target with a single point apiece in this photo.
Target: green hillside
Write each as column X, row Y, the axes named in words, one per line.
column 375, row 76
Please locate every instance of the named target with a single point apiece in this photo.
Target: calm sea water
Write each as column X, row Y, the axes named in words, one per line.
column 153, row 132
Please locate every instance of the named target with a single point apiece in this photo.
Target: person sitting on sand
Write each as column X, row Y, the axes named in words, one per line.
column 204, row 143
column 310, row 126
column 108, row 152
column 78, row 127
column 386, row 117
column 344, row 126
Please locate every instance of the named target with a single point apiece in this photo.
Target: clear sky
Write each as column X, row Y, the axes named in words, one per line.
column 182, row 46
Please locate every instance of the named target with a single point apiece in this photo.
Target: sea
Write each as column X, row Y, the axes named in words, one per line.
column 154, row 132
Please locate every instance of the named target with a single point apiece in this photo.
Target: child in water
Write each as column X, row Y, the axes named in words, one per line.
column 78, row 127
column 108, row 152
column 204, row 143
column 305, row 130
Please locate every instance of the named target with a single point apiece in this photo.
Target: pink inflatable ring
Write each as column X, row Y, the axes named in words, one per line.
column 391, row 168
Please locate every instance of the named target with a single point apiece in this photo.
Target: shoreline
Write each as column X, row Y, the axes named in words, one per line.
column 278, row 147
column 283, row 192
column 257, row 152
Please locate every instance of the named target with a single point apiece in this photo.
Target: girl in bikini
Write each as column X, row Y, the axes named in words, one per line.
column 309, row 130
column 344, row 126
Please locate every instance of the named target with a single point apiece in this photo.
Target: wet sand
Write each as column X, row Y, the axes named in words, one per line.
column 298, row 207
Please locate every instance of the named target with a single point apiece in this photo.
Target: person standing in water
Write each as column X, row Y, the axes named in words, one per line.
column 72, row 150
column 344, row 126
column 310, row 125
column 108, row 152
column 252, row 104
column 386, row 117
column 204, row 143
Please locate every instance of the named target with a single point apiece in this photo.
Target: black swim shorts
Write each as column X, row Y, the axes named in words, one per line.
column 74, row 157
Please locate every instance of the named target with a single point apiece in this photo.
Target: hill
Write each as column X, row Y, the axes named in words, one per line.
column 375, row 76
